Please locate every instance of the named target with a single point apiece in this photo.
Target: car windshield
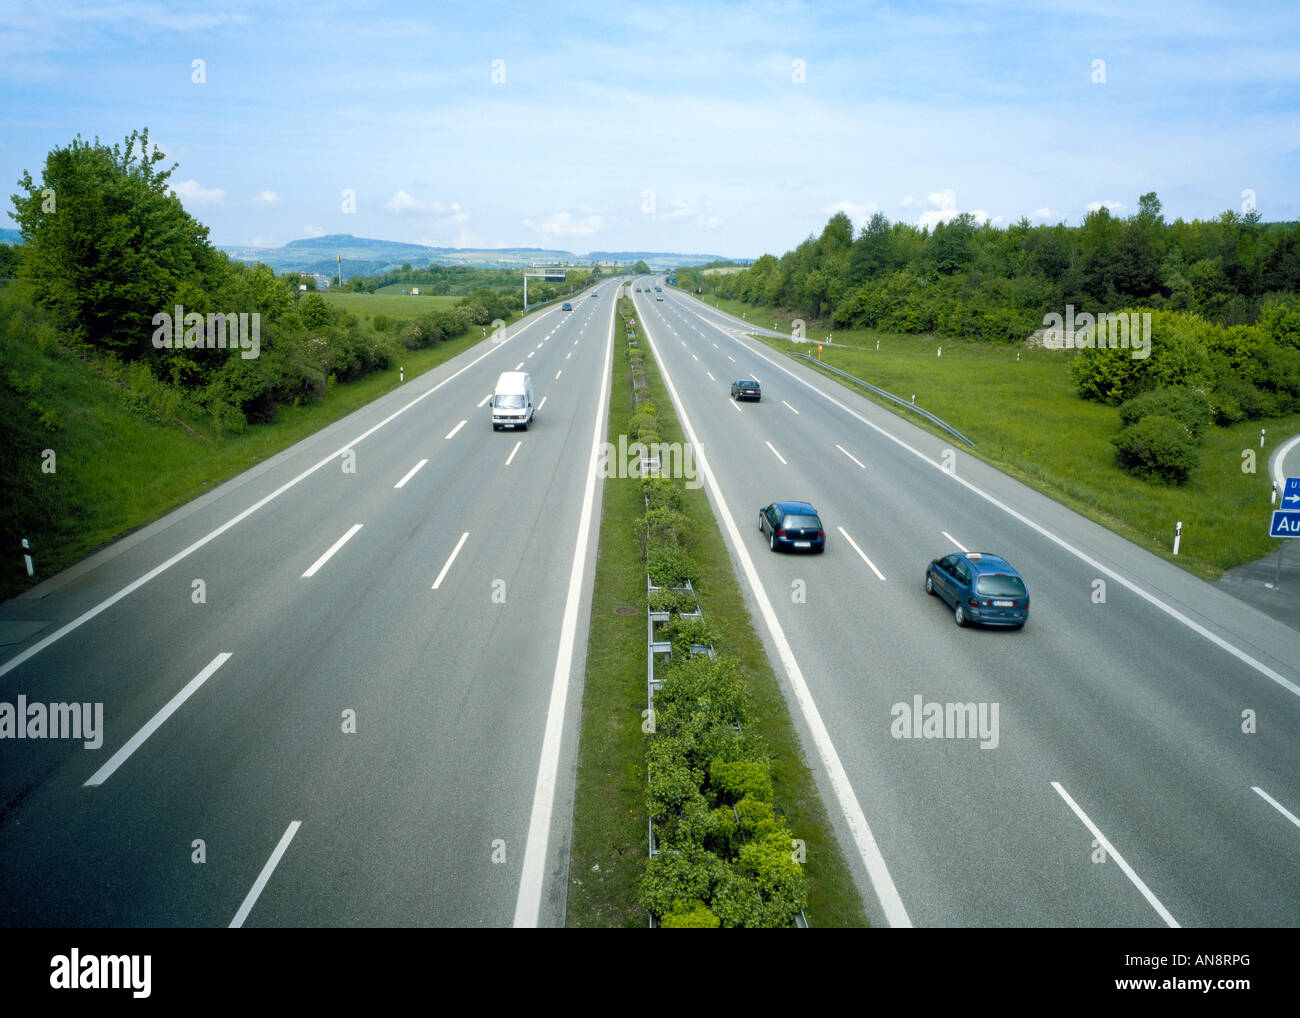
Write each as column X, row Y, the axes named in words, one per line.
column 1000, row 585
column 748, row 383
column 509, row 402
column 795, row 522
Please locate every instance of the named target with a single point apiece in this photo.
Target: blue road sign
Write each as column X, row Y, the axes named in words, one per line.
column 1291, row 493
column 1286, row 523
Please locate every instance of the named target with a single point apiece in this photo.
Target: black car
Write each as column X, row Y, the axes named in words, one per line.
column 980, row 588
column 792, row 525
column 746, row 388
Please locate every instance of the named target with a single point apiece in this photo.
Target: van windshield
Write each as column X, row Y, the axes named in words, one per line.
column 515, row 402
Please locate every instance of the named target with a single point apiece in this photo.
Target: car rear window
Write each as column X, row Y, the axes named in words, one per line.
column 510, row 402
column 793, row 522
column 748, row 383
column 1000, row 585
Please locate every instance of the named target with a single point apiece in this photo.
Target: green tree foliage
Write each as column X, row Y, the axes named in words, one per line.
column 1157, row 448
column 1188, row 407
column 107, row 245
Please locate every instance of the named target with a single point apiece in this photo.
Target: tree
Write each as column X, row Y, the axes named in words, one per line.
column 107, row 244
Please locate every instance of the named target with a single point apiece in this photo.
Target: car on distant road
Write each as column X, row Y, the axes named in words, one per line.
column 746, row 388
column 567, row 306
column 980, row 588
column 794, row 525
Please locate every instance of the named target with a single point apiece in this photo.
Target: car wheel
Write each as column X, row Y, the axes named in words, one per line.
column 760, row 524
column 771, row 540
column 929, row 584
column 959, row 615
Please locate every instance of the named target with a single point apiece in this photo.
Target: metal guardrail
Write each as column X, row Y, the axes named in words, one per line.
column 889, row 395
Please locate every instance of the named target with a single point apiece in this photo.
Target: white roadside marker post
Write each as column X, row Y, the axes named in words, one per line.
column 27, row 558
column 1178, row 535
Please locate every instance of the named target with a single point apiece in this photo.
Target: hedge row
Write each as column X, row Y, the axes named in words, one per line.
column 725, row 857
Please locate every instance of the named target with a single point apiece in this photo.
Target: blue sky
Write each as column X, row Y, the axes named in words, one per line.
column 729, row 128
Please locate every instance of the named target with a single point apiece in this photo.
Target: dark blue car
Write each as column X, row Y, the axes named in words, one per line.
column 794, row 525
column 980, row 588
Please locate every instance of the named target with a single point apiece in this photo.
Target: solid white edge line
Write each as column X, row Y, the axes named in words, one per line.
column 155, row 722
column 954, row 540
column 409, row 474
column 1113, row 852
column 528, row 904
column 452, row 432
column 332, row 549
column 851, row 456
column 238, row 518
column 777, row 454
column 1276, row 805
column 264, row 877
column 860, row 552
column 1060, row 542
column 450, row 559
column 865, row 842
column 1279, row 477
column 513, row 451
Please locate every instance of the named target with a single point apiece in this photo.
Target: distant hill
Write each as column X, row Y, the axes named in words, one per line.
column 660, row 259
column 368, row 256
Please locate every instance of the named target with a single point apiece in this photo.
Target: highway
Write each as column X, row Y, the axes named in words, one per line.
column 341, row 689
column 1144, row 770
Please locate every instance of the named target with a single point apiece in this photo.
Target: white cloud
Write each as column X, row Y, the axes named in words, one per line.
column 267, row 198
column 943, row 207
column 192, row 190
column 858, row 212
column 563, row 224
column 1114, row 206
column 312, row 231
column 403, row 201
column 909, row 202
column 1043, row 213
column 711, row 222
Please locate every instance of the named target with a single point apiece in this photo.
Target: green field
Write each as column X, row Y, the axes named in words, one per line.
column 1026, row 418
column 391, row 302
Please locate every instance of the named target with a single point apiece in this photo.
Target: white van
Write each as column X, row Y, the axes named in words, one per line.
column 512, row 401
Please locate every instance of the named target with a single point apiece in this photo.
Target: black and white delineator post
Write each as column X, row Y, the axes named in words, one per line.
column 1178, row 535
column 27, row 557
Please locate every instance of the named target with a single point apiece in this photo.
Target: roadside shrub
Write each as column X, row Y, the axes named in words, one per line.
column 673, row 601
column 690, row 915
column 662, row 492
column 670, row 566
column 664, row 526
column 642, row 421
column 1158, row 449
column 711, row 690
column 684, row 633
column 1187, row 406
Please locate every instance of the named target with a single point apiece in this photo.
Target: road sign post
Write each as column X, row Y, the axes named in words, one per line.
column 1286, row 521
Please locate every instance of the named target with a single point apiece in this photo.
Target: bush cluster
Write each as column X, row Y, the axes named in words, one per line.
column 725, row 856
